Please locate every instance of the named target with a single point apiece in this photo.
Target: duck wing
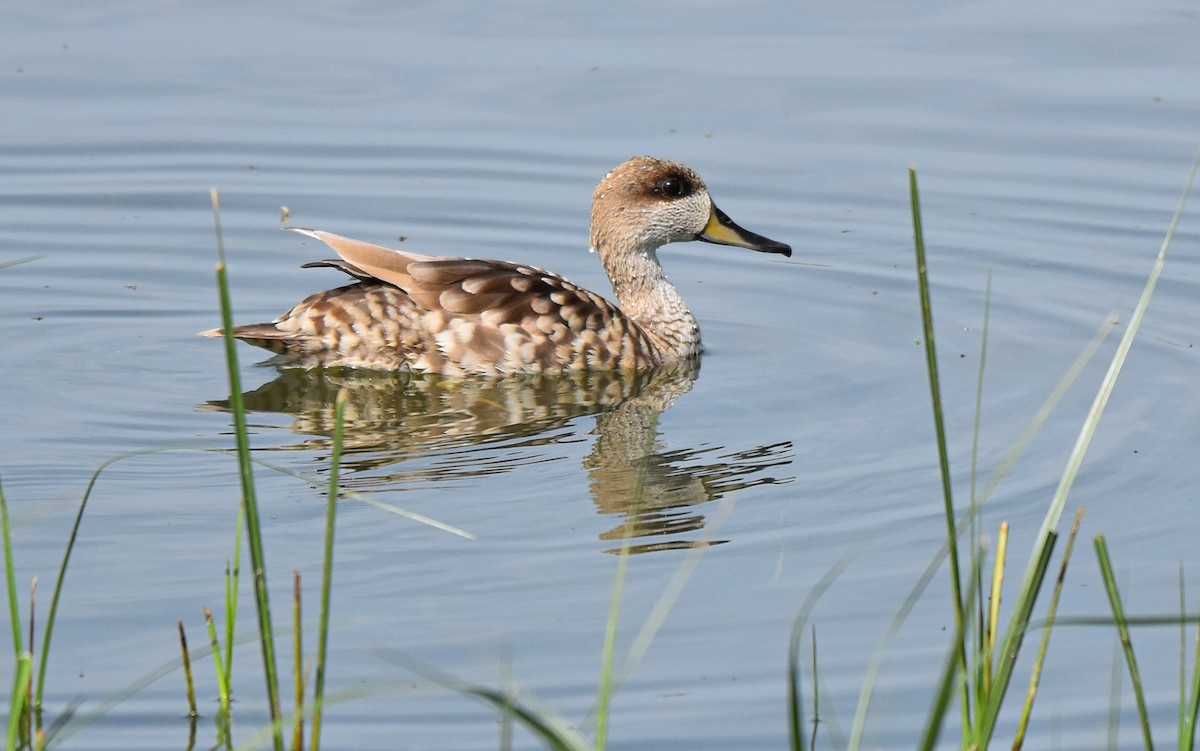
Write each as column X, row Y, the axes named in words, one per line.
column 509, row 314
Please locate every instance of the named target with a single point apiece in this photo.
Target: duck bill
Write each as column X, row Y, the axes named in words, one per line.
column 723, row 231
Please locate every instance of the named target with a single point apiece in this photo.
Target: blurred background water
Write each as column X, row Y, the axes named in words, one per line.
column 1052, row 142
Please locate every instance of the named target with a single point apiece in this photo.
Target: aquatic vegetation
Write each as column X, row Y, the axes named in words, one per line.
column 975, row 682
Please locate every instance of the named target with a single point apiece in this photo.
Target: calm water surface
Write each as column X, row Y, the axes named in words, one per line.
column 1052, row 142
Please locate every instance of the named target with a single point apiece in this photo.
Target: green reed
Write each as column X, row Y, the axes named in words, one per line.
column 248, row 511
column 237, row 407
column 980, row 661
column 981, row 655
column 981, row 708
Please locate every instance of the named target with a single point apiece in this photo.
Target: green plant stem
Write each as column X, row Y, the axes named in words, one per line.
column 187, row 671
column 298, row 672
column 795, row 695
column 981, row 664
column 10, row 578
column 1187, row 722
column 335, row 460
column 232, row 580
column 20, row 690
column 935, row 395
column 1038, row 557
column 1036, row 673
column 215, row 646
column 1114, row 600
column 614, row 608
column 249, row 499
column 52, row 613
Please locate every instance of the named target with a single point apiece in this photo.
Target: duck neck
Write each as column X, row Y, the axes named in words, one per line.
column 647, row 297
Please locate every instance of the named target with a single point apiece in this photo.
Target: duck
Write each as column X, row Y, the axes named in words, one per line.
column 450, row 316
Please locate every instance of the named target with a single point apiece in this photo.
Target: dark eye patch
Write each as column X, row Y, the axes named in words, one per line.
column 673, row 186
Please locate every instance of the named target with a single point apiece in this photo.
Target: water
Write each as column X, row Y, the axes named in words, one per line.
column 1052, row 142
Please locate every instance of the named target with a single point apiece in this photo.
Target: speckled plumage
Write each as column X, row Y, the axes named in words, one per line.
column 459, row 316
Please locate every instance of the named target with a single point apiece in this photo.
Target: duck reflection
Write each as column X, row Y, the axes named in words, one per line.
column 403, row 430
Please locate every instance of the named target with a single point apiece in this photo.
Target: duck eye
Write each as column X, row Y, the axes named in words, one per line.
column 673, row 186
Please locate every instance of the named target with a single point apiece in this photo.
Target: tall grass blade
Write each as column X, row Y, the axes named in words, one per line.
column 555, row 734
column 52, row 613
column 1036, row 673
column 1047, row 407
column 187, row 671
column 1187, row 723
column 604, row 694
column 368, row 499
column 935, row 396
column 553, row 730
column 10, row 579
column 993, row 616
column 1183, row 692
column 297, row 665
column 1114, row 698
column 661, row 608
column 795, row 695
column 882, row 649
column 671, row 592
column 950, row 681
column 1030, row 585
column 215, row 645
column 510, row 694
column 16, row 261
column 954, row 677
column 1014, row 635
column 249, row 499
column 1114, row 600
column 974, row 504
column 335, row 459
column 816, row 685
column 232, row 588
column 614, row 608
column 976, row 429
column 20, row 691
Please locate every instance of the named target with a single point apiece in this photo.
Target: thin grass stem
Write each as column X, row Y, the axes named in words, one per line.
column 215, row 646
column 1114, row 600
column 871, row 677
column 640, row 643
column 509, row 692
column 1183, row 687
column 1038, row 557
column 297, row 664
column 1018, row 625
column 10, row 578
column 187, row 670
column 16, row 261
column 52, row 613
column 249, row 499
column 607, row 664
column 1046, row 408
column 816, row 704
column 1039, row 663
column 976, row 428
column 554, row 731
column 1114, row 696
column 974, row 504
column 993, row 617
column 17, row 707
column 335, row 459
column 935, row 396
column 948, row 683
column 795, row 695
column 1187, row 725
column 232, row 580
